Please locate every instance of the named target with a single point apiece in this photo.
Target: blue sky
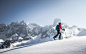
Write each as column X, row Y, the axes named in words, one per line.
column 43, row 12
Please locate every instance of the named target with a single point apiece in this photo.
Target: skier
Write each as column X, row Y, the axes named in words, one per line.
column 58, row 28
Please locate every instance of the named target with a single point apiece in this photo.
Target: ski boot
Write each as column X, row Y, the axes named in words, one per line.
column 54, row 38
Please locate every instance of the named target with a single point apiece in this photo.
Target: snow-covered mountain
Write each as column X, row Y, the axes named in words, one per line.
column 25, row 31
column 30, row 38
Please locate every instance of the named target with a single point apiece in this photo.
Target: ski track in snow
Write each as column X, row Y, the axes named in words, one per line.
column 73, row 45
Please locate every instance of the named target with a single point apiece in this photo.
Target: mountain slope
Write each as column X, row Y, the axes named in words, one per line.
column 73, row 45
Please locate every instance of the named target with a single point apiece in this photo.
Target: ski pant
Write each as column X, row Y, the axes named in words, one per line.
column 58, row 32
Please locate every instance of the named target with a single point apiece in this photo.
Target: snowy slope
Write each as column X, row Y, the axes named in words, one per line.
column 73, row 45
column 1, row 41
column 82, row 33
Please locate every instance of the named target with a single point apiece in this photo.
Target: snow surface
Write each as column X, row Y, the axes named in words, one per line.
column 1, row 41
column 82, row 33
column 20, row 38
column 73, row 45
column 13, row 36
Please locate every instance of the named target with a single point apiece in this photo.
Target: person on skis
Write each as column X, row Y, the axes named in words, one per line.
column 58, row 28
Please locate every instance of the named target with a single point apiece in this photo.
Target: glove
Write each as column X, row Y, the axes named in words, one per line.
column 64, row 29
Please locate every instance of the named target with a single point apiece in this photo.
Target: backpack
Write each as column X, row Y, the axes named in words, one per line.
column 57, row 27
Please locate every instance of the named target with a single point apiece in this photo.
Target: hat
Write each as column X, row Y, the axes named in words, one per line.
column 60, row 23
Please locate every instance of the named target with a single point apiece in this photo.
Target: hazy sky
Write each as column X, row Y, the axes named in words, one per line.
column 43, row 12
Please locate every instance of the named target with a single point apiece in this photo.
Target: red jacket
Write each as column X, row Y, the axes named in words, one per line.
column 60, row 27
